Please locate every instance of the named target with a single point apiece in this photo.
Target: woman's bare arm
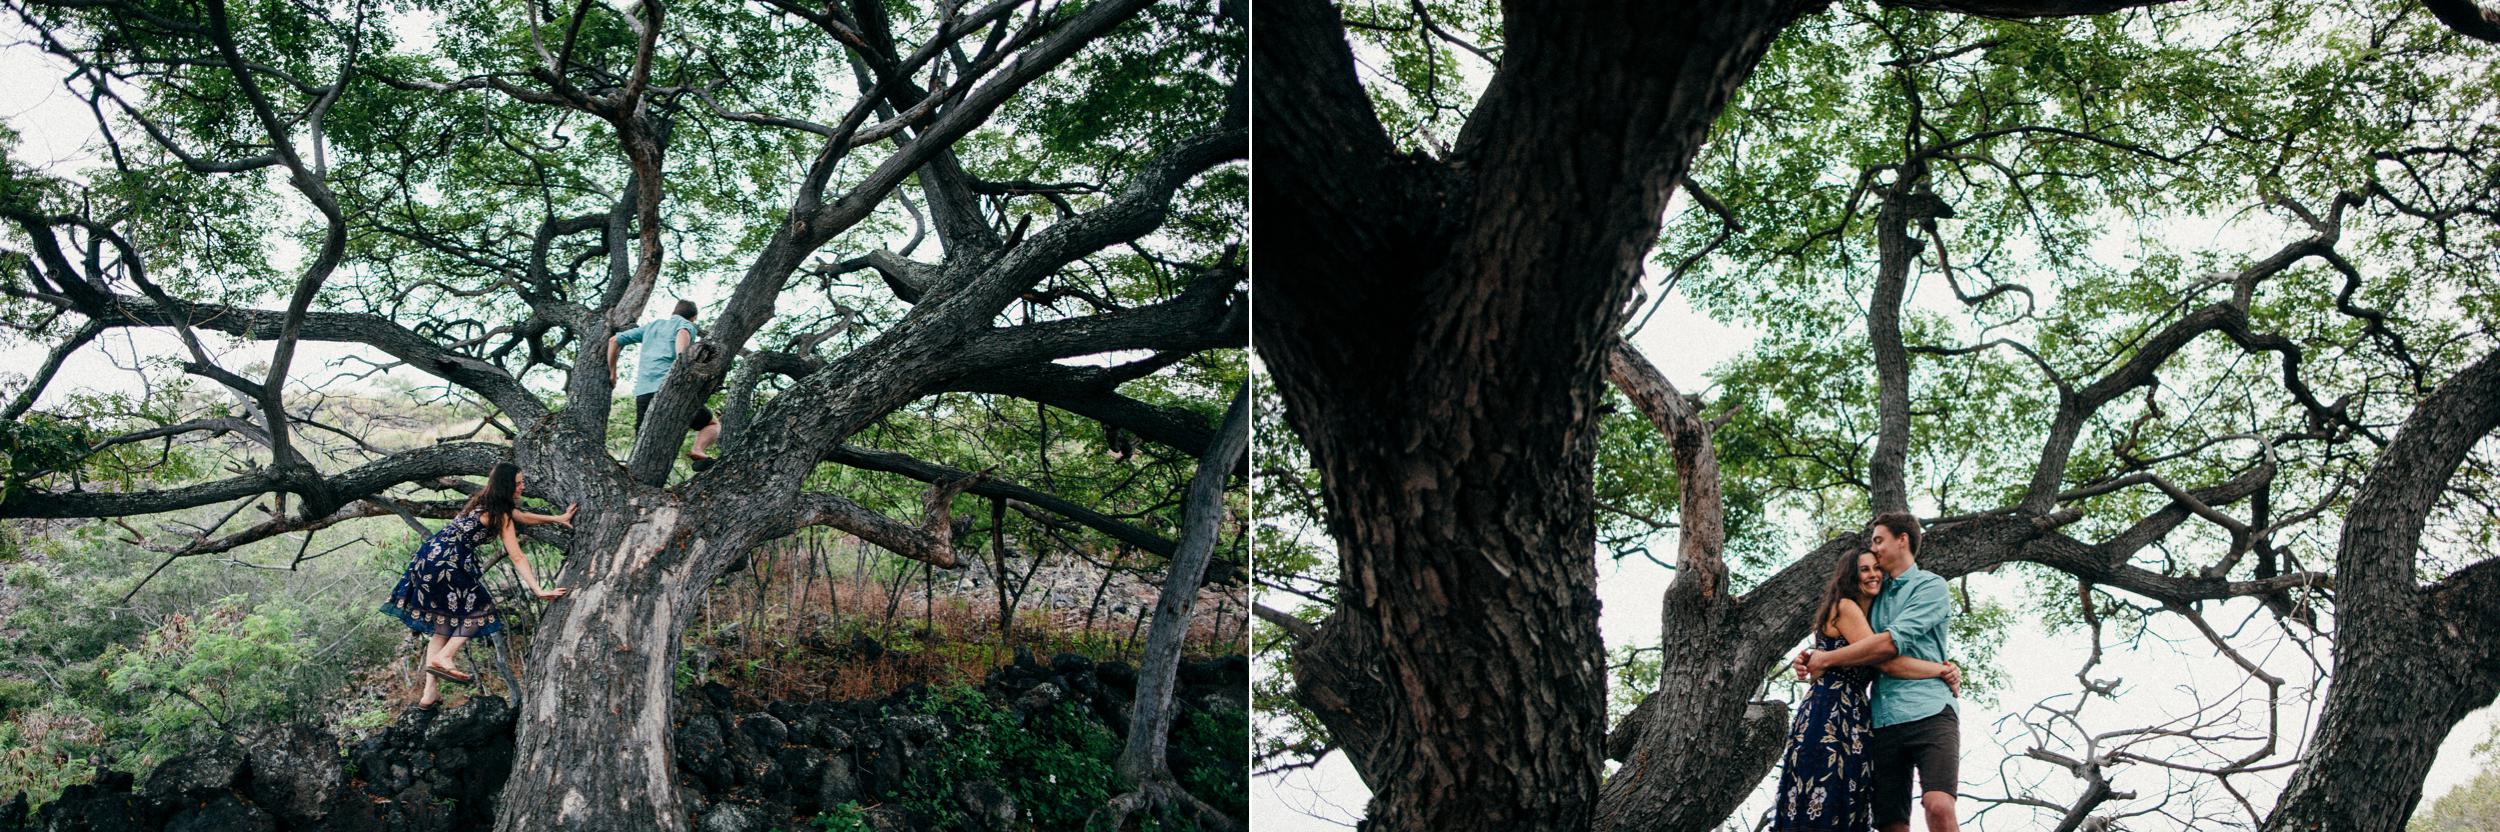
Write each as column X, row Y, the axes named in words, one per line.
column 521, row 563
column 529, row 519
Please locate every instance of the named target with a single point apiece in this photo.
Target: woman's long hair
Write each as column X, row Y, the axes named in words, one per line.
column 494, row 504
column 1843, row 585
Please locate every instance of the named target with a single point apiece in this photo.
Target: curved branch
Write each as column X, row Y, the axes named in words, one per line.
column 486, row 379
column 1699, row 567
column 1221, row 572
column 416, row 465
column 932, row 542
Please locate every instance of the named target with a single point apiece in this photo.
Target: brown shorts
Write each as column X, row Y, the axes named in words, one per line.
column 702, row 415
column 1930, row 746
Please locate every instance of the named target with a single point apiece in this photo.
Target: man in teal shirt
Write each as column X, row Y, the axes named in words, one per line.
column 1916, row 728
column 662, row 341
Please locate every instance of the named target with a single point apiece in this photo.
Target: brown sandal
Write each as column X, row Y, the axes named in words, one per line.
column 449, row 675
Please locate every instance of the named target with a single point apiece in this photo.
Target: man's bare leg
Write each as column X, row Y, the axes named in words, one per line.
column 703, row 441
column 1939, row 806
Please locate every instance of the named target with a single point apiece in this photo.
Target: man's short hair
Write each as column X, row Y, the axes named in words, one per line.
column 1901, row 524
column 685, row 309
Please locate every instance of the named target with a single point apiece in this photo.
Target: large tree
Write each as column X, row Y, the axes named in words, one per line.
column 1470, row 256
column 487, row 206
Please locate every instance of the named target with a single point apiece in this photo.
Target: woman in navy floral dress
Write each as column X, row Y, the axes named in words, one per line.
column 1824, row 775
column 442, row 595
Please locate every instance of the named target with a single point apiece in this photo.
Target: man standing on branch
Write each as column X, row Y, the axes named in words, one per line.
column 662, row 341
column 1916, row 728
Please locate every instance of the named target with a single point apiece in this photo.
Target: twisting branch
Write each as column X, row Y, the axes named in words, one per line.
column 931, row 542
column 1702, row 534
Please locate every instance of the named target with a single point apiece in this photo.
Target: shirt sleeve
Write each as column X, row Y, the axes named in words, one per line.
column 631, row 336
column 1926, row 609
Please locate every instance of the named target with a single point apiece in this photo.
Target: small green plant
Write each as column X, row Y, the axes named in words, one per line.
column 848, row 817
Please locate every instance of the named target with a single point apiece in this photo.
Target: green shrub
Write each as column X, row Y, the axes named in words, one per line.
column 1221, row 742
column 1058, row 768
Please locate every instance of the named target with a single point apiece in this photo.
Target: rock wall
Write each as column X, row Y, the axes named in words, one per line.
column 740, row 768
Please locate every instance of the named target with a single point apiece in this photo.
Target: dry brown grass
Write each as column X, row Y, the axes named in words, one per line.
column 788, row 628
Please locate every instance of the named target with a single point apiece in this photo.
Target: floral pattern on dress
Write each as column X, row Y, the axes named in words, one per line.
column 1824, row 774
column 443, row 591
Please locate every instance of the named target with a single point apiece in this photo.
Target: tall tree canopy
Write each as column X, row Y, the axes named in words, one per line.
column 2164, row 305
column 901, row 217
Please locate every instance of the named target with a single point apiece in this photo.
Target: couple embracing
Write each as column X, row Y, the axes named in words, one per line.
column 1852, row 751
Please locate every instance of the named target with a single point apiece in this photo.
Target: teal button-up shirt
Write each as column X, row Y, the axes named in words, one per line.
column 659, row 350
column 1916, row 608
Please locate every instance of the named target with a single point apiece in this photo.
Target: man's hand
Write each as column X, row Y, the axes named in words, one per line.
column 1816, row 663
column 1953, row 679
column 1803, row 664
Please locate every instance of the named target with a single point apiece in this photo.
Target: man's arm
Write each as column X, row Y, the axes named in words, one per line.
column 685, row 341
column 616, row 342
column 1926, row 608
column 1874, row 649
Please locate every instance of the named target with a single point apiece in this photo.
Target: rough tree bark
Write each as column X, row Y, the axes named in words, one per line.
column 1437, row 332
column 2410, row 660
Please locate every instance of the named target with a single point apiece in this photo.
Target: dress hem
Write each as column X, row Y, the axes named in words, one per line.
column 466, row 627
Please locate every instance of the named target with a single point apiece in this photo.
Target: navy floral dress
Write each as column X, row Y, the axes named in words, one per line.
column 444, row 590
column 1824, row 775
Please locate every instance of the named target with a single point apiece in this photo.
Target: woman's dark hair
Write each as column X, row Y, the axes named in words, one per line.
column 1902, row 524
column 1844, row 585
column 494, row 503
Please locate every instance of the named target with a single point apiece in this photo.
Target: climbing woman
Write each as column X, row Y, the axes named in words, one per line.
column 443, row 596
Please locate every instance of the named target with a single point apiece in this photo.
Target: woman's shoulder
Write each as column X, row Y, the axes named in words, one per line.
column 1841, row 609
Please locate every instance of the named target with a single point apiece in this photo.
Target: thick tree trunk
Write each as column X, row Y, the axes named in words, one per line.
column 2409, row 661
column 2395, row 698
column 1437, row 333
column 1694, row 750
column 594, row 748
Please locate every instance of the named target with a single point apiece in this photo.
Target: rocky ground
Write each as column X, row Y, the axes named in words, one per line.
column 742, row 766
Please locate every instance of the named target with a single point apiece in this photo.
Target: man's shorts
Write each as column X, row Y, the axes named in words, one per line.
column 702, row 415
column 1931, row 746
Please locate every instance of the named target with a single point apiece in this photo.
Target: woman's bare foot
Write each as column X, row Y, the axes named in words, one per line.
column 447, row 672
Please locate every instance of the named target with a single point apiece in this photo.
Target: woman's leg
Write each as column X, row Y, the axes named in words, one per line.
column 442, row 655
column 433, row 690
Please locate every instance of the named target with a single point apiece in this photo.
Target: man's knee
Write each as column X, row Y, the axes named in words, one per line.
column 1939, row 806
